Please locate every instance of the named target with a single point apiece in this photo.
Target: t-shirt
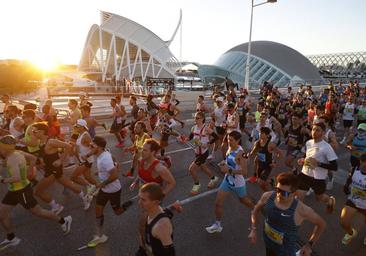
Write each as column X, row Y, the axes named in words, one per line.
column 323, row 153
column 349, row 110
column 105, row 165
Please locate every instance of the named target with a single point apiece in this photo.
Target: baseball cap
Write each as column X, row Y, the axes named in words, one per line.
column 8, row 141
column 82, row 123
column 362, row 127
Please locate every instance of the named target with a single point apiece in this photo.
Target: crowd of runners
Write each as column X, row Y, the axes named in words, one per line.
column 299, row 126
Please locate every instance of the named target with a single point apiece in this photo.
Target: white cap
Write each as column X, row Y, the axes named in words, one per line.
column 220, row 99
column 82, row 123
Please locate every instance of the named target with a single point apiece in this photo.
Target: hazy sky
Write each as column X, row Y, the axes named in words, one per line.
column 55, row 30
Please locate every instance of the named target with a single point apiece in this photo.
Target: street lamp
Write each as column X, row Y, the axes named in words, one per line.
column 246, row 82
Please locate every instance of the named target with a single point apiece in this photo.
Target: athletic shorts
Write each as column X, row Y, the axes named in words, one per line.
column 307, row 182
column 201, row 159
column 116, row 127
column 347, row 123
column 220, row 130
column 56, row 171
column 24, row 197
column 352, row 205
column 242, row 120
column 263, row 171
column 239, row 191
column 114, row 198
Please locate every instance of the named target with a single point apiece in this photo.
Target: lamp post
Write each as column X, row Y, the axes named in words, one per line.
column 247, row 68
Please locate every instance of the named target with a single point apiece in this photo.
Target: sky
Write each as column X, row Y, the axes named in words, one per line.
column 54, row 31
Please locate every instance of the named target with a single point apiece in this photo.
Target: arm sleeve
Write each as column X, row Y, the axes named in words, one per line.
column 331, row 166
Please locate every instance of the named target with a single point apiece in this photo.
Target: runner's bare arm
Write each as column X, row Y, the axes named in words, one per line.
column 257, row 209
column 163, row 231
column 14, row 162
column 167, row 177
column 243, row 162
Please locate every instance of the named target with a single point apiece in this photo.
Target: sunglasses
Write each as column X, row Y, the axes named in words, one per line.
column 197, row 117
column 283, row 193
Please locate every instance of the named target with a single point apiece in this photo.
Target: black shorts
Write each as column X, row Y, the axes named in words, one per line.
column 263, row 171
column 201, row 159
column 355, row 161
column 242, row 120
column 113, row 198
column 352, row 205
column 24, row 197
column 347, row 123
column 116, row 127
column 307, row 182
column 220, row 130
column 56, row 171
column 86, row 164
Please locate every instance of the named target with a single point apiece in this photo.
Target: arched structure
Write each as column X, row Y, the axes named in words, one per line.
column 121, row 48
column 269, row 61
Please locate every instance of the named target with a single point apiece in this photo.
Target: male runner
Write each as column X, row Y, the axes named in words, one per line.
column 20, row 191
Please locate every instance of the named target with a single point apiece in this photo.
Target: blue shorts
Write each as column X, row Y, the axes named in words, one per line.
column 239, row 191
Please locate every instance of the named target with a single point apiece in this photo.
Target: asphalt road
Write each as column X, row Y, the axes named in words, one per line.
column 41, row 237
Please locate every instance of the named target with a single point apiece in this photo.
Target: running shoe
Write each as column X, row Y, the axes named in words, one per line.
column 214, row 228
column 105, row 126
column 309, row 192
column 331, row 205
column 97, row 240
column 66, row 227
column 58, row 209
column 330, row 183
column 120, row 145
column 348, row 238
column 87, row 199
column 252, row 179
column 195, row 189
column 210, row 157
column 90, row 189
column 213, row 182
column 7, row 243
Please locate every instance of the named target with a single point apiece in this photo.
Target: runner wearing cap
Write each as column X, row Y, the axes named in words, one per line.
column 52, row 162
column 109, row 188
column 86, row 159
column 284, row 214
column 357, row 145
column 20, row 191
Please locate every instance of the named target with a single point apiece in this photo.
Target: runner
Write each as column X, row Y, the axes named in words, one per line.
column 219, row 117
column 201, row 105
column 158, row 236
column 86, row 159
column 118, row 122
column 170, row 108
column 110, row 189
column 92, row 123
column 134, row 116
column 165, row 125
column 355, row 188
column 140, row 138
column 320, row 157
column 235, row 169
column 242, row 108
column 284, row 214
column 20, row 191
column 53, row 168
column 357, row 145
column 263, row 150
column 232, row 124
column 348, row 117
column 74, row 115
column 200, row 134
column 152, row 110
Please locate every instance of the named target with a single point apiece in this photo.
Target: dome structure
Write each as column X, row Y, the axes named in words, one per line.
column 121, row 48
column 269, row 61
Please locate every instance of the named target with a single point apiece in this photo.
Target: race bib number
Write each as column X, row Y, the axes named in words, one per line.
column 281, row 116
column 292, row 142
column 273, row 234
column 349, row 110
column 359, row 193
column 262, row 157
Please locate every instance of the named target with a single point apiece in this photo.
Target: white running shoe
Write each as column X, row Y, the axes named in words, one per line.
column 214, row 228
column 87, row 199
column 7, row 243
column 97, row 240
column 58, row 209
column 309, row 192
column 90, row 189
column 213, row 182
column 210, row 157
column 342, row 141
column 66, row 227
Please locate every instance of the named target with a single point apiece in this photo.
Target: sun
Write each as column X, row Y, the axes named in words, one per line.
column 45, row 63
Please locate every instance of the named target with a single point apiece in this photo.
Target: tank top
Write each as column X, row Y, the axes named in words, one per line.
column 200, row 107
column 154, row 245
column 145, row 175
column 28, row 138
column 219, row 116
column 83, row 150
column 49, row 159
column 12, row 130
column 358, row 189
column 294, row 137
column 264, row 157
column 118, row 119
column 15, row 186
column 200, row 139
column 234, row 180
column 280, row 229
column 360, row 144
column 139, row 142
column 241, row 110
